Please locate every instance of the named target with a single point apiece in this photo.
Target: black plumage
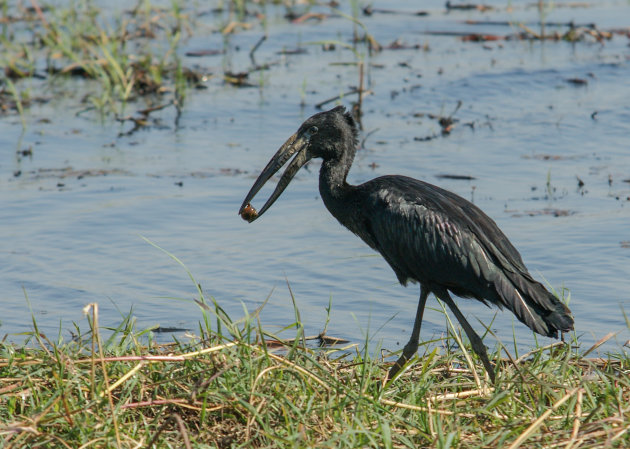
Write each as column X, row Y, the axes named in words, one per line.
column 428, row 235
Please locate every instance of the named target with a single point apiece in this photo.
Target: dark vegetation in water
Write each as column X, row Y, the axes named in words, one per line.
column 136, row 56
column 128, row 58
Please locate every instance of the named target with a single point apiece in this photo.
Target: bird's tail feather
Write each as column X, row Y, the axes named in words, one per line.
column 533, row 304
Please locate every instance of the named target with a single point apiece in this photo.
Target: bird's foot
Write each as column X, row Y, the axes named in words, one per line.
column 407, row 353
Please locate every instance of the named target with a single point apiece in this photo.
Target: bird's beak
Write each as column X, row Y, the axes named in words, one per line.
column 297, row 145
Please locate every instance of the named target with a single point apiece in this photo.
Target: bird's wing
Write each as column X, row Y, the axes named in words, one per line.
column 424, row 243
column 433, row 236
column 451, row 216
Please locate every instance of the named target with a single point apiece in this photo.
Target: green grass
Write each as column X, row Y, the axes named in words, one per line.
column 235, row 385
column 128, row 55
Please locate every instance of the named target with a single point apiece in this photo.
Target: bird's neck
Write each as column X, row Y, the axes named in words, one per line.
column 334, row 189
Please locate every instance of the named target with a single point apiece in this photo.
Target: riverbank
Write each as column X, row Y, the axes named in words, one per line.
column 239, row 386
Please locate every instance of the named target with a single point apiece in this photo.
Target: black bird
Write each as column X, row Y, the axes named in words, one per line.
column 427, row 234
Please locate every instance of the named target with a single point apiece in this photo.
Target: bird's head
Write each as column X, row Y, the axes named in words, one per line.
column 328, row 135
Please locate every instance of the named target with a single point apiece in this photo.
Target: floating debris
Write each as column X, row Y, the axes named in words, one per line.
column 577, row 81
column 574, row 34
column 200, row 53
column 398, row 44
column 231, row 27
column 292, row 51
column 320, row 17
column 237, row 79
column 546, row 211
column 468, row 6
column 163, row 329
column 231, row 171
column 478, row 37
column 369, row 10
column 456, row 177
column 323, row 341
column 549, row 157
column 69, row 172
column 27, row 152
column 426, row 138
column 447, row 124
column 580, row 182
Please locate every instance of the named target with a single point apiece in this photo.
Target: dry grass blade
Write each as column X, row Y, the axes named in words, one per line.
column 417, row 408
column 600, row 342
column 484, row 392
column 295, row 367
column 578, row 415
column 154, row 359
column 96, row 337
column 536, row 424
column 122, row 380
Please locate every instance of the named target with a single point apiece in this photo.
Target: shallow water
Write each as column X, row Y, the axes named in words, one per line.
column 73, row 237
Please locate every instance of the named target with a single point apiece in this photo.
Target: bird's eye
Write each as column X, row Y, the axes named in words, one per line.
column 313, row 130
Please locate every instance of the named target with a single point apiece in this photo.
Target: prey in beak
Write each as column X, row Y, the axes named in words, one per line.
column 297, row 145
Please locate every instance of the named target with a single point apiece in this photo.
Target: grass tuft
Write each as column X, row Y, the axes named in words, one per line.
column 233, row 386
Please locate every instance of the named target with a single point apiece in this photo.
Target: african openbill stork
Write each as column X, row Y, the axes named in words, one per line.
column 427, row 234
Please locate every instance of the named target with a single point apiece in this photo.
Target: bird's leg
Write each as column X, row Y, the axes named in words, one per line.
column 475, row 340
column 412, row 345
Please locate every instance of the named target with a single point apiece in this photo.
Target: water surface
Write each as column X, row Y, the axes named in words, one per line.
column 72, row 236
